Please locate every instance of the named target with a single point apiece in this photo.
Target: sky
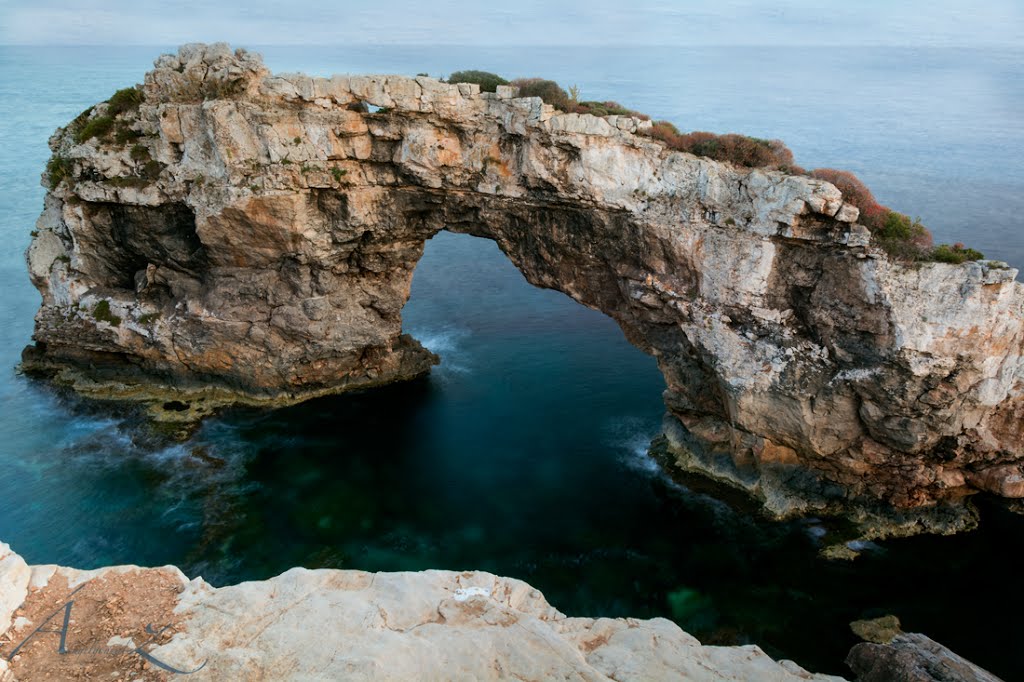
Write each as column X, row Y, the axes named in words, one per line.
column 982, row 23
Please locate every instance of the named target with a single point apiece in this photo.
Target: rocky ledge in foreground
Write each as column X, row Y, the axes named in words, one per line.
column 335, row 625
column 223, row 234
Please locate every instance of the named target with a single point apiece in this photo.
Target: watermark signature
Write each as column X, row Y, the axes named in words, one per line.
column 62, row 647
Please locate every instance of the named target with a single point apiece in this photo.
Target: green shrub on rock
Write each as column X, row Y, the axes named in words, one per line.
column 957, row 253
column 96, row 127
column 125, row 99
column 487, row 81
column 57, row 168
column 152, row 169
column 903, row 237
column 102, row 313
column 122, row 101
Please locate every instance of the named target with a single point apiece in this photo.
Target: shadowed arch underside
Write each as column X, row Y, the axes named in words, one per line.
column 254, row 240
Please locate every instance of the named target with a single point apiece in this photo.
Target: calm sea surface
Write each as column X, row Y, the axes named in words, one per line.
column 524, row 453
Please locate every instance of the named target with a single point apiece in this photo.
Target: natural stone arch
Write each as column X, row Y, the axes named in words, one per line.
column 266, row 257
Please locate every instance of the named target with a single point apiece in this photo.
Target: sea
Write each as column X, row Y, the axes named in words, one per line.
column 525, row 452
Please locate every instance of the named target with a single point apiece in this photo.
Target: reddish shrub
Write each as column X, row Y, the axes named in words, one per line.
column 872, row 216
column 664, row 131
column 895, row 232
column 549, row 91
column 854, row 191
column 746, row 151
column 698, row 142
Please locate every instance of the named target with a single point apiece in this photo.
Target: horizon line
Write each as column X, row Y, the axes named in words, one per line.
column 957, row 46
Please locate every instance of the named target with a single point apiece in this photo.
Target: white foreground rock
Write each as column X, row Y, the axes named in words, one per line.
column 342, row 625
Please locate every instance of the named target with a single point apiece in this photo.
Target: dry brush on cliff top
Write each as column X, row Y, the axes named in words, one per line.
column 896, row 233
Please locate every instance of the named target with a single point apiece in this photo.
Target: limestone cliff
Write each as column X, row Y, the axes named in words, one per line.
column 336, row 625
column 239, row 236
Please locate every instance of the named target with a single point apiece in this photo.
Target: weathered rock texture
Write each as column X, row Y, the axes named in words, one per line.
column 891, row 654
column 338, row 625
column 256, row 243
column 912, row 657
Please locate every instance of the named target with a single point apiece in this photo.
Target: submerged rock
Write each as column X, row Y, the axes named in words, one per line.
column 244, row 237
column 338, row 625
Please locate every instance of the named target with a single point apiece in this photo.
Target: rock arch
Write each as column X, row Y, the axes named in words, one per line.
column 271, row 226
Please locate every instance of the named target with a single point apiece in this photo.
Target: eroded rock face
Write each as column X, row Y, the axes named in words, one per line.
column 331, row 625
column 253, row 239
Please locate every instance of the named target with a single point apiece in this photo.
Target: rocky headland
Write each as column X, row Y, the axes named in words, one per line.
column 224, row 235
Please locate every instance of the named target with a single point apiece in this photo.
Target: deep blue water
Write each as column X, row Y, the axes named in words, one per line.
column 524, row 453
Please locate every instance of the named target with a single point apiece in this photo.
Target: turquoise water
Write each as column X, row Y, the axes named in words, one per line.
column 524, row 453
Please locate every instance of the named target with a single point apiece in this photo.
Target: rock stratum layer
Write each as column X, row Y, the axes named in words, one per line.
column 247, row 237
column 331, row 624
